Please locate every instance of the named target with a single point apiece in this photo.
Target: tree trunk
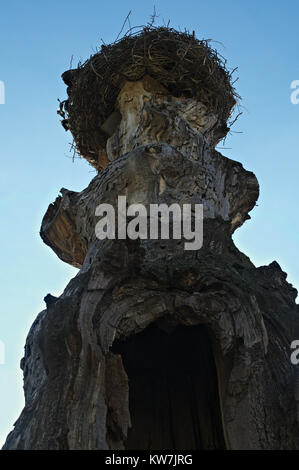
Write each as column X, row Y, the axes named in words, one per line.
column 152, row 346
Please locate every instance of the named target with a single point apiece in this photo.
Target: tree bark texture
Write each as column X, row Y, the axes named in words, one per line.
column 152, row 346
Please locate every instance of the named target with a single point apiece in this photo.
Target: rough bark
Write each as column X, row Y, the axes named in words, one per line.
column 77, row 364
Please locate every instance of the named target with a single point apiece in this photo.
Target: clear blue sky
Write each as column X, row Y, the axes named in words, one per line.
column 37, row 40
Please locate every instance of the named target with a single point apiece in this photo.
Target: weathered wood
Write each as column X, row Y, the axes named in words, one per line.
column 78, row 368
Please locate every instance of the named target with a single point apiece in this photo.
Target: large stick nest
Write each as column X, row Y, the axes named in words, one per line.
column 184, row 65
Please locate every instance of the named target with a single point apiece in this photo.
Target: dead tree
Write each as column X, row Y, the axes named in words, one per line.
column 152, row 346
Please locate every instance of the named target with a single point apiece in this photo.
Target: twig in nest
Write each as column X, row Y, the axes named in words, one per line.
column 91, row 65
column 154, row 16
column 126, row 19
column 233, row 122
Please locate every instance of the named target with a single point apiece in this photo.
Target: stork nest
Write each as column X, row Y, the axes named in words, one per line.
column 185, row 66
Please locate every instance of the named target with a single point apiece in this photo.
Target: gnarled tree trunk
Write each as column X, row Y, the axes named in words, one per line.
column 151, row 345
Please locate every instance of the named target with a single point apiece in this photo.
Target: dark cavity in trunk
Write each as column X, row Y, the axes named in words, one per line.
column 173, row 389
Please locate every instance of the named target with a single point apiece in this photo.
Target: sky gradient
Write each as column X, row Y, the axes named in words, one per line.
column 37, row 41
